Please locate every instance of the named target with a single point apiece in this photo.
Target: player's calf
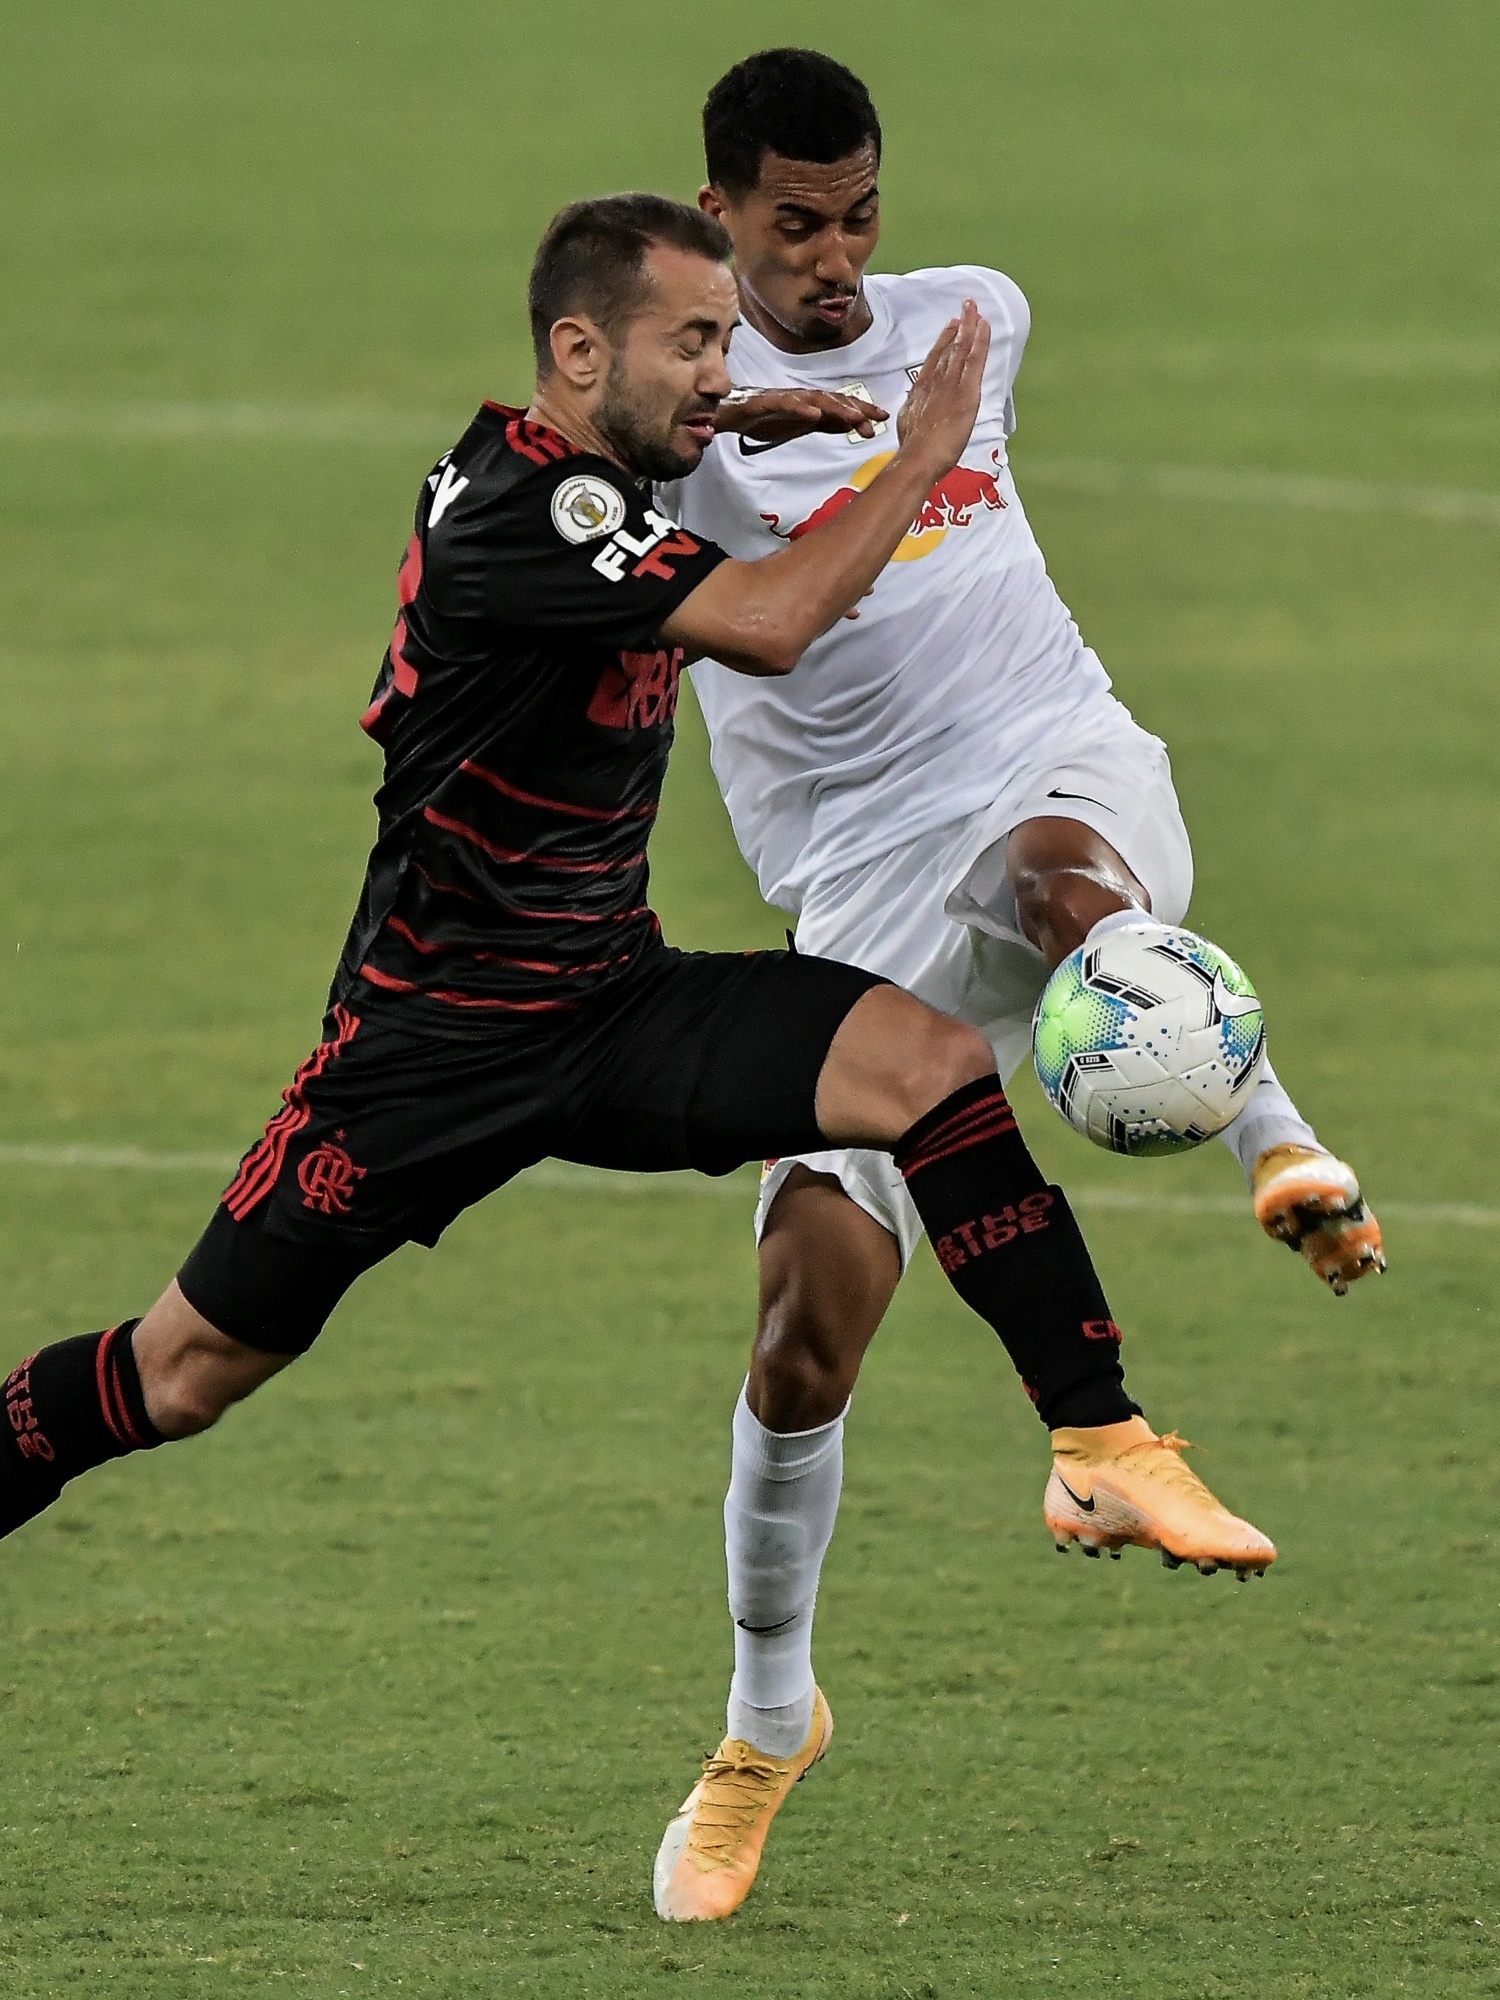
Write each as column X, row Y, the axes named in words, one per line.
column 68, row 1407
column 98, row 1396
column 1009, row 1246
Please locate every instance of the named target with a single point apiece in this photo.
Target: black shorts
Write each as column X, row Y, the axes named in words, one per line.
column 392, row 1127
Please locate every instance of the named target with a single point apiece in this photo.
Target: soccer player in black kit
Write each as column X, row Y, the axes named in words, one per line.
column 505, row 993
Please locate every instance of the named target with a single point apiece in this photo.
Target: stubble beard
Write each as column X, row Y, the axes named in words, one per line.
column 638, row 441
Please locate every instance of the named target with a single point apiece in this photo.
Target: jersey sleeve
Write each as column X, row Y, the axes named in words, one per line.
column 1005, row 306
column 577, row 550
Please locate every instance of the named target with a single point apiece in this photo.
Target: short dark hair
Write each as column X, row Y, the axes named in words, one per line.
column 794, row 102
column 593, row 259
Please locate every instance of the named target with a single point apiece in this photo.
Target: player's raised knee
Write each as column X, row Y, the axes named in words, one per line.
column 893, row 1059
column 1061, row 893
column 951, row 1054
column 190, row 1372
column 799, row 1376
column 185, row 1402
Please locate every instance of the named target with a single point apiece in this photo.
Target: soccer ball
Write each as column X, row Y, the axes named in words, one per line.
column 1149, row 1041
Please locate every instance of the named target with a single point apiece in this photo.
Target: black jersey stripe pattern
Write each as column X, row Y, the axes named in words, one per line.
column 524, row 706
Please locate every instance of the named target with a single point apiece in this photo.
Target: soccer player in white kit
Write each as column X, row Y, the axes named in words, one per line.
column 946, row 792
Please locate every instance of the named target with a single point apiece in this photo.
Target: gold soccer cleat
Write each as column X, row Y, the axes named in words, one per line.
column 1311, row 1201
column 1121, row 1483
column 705, row 1866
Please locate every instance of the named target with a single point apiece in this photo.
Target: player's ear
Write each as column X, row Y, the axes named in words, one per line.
column 580, row 352
column 712, row 203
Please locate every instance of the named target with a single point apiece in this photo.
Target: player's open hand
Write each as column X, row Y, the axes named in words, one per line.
column 938, row 416
column 776, row 416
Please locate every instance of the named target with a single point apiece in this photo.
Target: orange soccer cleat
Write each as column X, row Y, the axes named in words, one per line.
column 1122, row 1483
column 1312, row 1202
column 706, row 1864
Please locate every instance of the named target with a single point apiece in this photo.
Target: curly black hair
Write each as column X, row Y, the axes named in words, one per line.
column 794, row 102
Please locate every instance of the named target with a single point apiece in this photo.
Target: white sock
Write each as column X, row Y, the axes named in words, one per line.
column 779, row 1513
column 1269, row 1119
column 1116, row 920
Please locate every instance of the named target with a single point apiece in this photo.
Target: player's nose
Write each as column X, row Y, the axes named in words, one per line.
column 835, row 265
column 713, row 378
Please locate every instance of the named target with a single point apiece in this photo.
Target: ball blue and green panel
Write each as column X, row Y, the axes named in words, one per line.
column 1071, row 1019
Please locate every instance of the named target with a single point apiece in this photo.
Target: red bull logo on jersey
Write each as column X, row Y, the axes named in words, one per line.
column 958, row 498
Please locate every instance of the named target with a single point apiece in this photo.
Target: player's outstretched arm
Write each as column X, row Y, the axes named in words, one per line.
column 760, row 617
column 776, row 416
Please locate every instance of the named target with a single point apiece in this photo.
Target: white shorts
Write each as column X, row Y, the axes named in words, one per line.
column 938, row 916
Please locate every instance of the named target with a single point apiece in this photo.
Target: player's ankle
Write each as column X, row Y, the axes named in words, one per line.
column 1090, row 1440
column 1284, row 1153
column 1096, row 1403
column 776, row 1732
column 71, row 1406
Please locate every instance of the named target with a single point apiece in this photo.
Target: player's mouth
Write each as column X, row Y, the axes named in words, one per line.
column 700, row 428
column 835, row 309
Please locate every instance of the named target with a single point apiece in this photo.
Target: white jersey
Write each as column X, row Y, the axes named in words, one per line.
column 962, row 664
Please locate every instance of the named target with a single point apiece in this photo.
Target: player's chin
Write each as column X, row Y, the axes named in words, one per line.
column 823, row 328
column 688, row 444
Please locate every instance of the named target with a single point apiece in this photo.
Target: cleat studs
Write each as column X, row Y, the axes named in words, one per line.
column 1090, row 1549
column 1242, row 1576
column 1170, row 1561
column 1114, row 1555
column 1061, row 1547
column 1206, row 1568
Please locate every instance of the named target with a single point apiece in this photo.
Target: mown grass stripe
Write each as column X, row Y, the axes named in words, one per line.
column 566, row 1174
column 337, row 423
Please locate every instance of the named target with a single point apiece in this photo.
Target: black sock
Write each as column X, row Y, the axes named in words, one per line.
column 68, row 1407
column 1012, row 1251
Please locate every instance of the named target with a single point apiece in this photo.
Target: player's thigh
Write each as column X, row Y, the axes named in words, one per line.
column 1132, row 775
column 711, row 1060
column 1049, row 846
column 387, row 1132
column 1122, row 825
column 266, row 1294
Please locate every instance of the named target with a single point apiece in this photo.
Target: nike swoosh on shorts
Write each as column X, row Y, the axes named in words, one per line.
column 1056, row 794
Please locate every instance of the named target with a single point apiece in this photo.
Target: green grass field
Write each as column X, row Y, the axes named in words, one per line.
column 392, row 1681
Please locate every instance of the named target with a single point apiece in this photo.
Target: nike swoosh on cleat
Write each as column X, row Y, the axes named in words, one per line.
column 1077, row 1498
column 1056, row 794
column 1231, row 1004
column 753, row 447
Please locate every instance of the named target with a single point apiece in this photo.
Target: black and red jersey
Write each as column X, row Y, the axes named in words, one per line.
column 525, row 708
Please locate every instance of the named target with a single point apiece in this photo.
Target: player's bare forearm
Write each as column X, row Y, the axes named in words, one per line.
column 777, row 416
column 760, row 617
